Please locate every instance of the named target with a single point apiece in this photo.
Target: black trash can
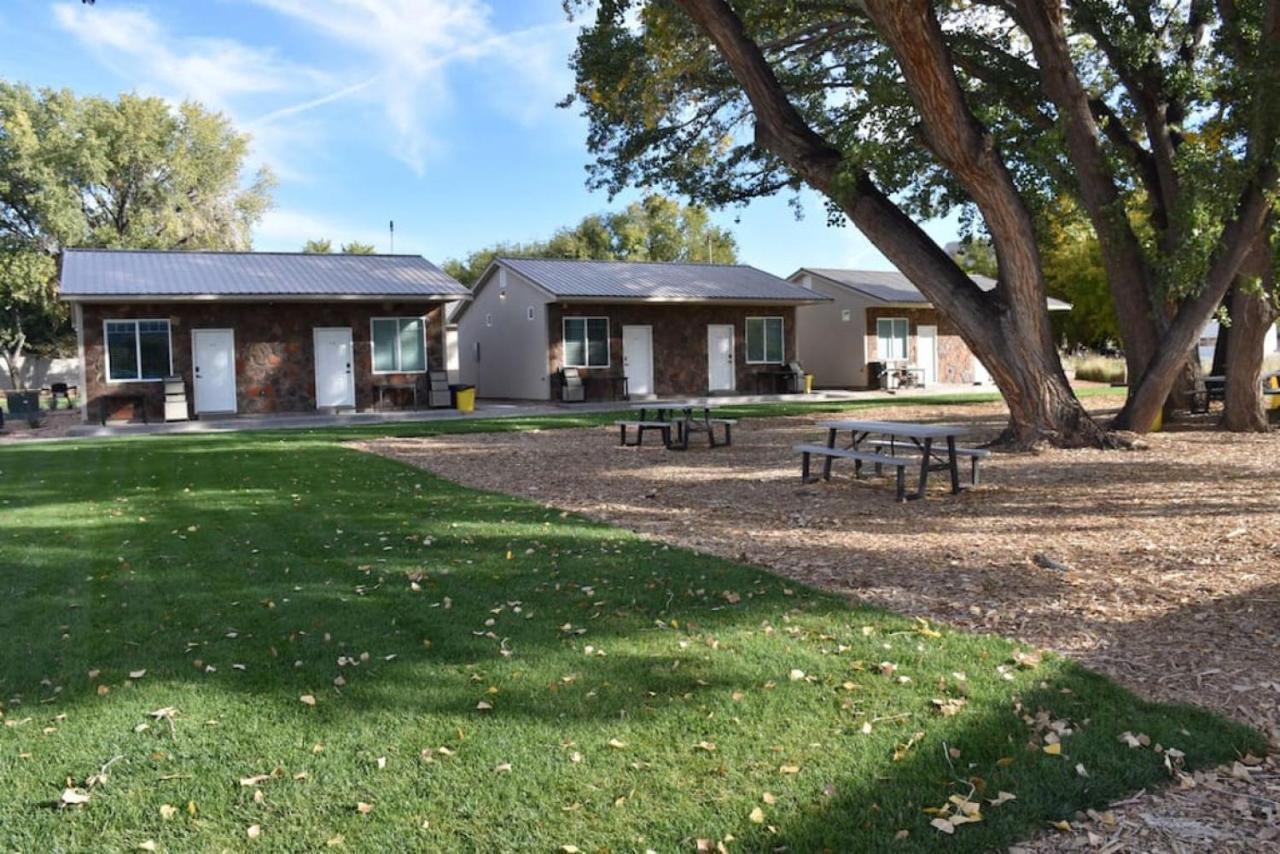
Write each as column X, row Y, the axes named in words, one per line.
column 22, row 403
column 874, row 370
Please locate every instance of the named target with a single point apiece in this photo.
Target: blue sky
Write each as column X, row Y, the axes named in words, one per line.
column 439, row 114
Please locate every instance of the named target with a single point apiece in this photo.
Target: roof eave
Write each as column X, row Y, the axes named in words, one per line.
column 127, row 298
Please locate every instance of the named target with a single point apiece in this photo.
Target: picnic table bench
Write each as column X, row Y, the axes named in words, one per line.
column 679, row 416
column 919, row 438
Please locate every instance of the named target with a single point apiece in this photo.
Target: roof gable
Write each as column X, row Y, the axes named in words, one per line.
column 89, row 274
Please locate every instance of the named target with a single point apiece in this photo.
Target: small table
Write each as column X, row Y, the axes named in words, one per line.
column 922, row 436
column 382, row 387
column 778, row 379
column 616, row 383
column 681, row 416
column 139, row 402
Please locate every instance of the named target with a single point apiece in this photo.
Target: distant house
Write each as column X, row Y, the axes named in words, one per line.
column 668, row 329
column 1209, row 341
column 252, row 332
column 879, row 316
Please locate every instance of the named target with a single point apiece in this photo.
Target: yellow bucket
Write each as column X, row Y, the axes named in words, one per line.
column 808, row 383
column 467, row 399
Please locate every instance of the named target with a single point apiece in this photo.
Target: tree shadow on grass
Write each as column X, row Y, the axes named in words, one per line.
column 286, row 559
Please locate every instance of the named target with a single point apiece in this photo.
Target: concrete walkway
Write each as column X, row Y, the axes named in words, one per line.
column 486, row 408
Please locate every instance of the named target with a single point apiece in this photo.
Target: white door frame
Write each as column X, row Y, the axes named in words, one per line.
column 626, row 358
column 733, row 356
column 351, row 374
column 933, row 368
column 195, row 377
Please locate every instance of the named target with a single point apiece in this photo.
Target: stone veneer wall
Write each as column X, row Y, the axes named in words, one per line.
column 275, row 367
column 679, row 340
column 955, row 361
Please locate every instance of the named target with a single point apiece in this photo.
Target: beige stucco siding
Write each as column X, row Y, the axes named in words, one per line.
column 502, row 349
column 831, row 336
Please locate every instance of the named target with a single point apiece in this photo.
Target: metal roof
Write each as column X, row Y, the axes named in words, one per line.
column 660, row 282
column 120, row 274
column 891, row 286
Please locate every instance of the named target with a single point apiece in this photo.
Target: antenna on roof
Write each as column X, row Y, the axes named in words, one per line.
column 393, row 237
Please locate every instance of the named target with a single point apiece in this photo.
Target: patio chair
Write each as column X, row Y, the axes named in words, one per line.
column 572, row 389
column 438, row 393
column 796, row 380
column 59, row 390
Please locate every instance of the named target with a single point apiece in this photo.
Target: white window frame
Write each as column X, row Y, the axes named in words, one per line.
column 426, row 356
column 586, row 349
column 906, row 340
column 137, row 343
column 746, row 340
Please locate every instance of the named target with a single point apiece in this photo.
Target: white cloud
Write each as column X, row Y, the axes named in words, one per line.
column 411, row 50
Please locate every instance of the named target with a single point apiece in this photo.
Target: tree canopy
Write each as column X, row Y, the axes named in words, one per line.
column 323, row 246
column 656, row 228
column 132, row 172
column 903, row 110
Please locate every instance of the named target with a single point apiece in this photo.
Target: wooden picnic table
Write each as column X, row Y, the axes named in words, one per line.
column 681, row 415
column 920, row 437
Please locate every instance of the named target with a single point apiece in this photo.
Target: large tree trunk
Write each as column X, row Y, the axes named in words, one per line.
column 1128, row 274
column 1007, row 329
column 1253, row 311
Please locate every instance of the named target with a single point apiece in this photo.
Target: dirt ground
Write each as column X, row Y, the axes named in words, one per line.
column 53, row 425
column 1164, row 564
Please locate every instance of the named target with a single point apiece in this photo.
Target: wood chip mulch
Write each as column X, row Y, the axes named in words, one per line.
column 1159, row 567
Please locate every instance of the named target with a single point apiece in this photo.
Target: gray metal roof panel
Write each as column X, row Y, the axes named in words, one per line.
column 112, row 273
column 572, row 279
column 892, row 287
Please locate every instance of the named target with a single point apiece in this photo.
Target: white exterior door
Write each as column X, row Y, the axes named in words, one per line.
column 335, row 381
column 637, row 359
column 213, row 354
column 927, row 352
column 980, row 375
column 720, row 368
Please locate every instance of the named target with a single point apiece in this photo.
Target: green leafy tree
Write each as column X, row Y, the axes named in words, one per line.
column 355, row 247
column 323, row 246
column 32, row 321
column 901, row 110
column 132, row 173
column 656, row 228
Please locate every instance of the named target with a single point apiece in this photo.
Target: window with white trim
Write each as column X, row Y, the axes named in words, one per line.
column 891, row 339
column 765, row 341
column 586, row 342
column 137, row 350
column 399, row 345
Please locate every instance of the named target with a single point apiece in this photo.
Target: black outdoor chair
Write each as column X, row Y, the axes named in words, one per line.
column 59, row 390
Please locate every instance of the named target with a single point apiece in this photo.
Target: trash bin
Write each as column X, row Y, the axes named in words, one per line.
column 808, row 383
column 464, row 397
column 875, row 375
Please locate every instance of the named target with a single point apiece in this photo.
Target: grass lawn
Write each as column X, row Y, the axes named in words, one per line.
column 488, row 675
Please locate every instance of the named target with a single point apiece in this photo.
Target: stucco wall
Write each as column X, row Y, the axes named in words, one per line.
column 274, row 350
column 955, row 361
column 679, row 340
column 831, row 347
column 500, row 349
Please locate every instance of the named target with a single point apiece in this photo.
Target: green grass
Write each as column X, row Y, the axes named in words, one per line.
column 188, row 556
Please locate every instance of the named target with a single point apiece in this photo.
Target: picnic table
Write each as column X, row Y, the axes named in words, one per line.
column 917, row 440
column 680, row 417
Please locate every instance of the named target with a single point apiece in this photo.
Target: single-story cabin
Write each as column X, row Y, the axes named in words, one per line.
column 644, row 329
column 876, row 316
column 252, row 332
